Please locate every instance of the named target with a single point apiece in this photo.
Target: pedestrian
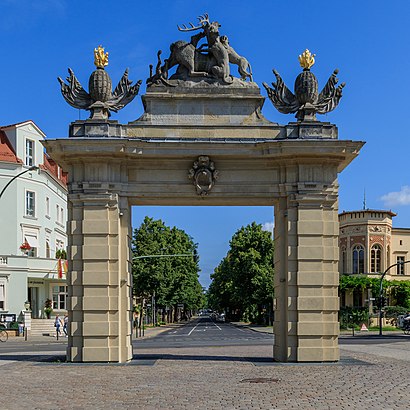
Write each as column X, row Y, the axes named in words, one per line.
column 65, row 325
column 57, row 324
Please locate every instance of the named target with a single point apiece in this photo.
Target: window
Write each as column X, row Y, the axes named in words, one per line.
column 400, row 268
column 48, row 206
column 376, row 259
column 2, row 294
column 31, row 239
column 48, row 250
column 29, row 153
column 59, row 297
column 30, row 203
column 344, row 260
column 60, row 214
column 59, row 211
column 357, row 298
column 358, row 259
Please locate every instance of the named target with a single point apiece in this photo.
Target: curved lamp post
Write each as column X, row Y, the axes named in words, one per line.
column 33, row 168
column 381, row 294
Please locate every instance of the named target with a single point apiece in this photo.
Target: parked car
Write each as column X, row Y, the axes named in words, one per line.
column 220, row 317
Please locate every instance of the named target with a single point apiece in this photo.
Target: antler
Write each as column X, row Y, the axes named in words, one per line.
column 202, row 20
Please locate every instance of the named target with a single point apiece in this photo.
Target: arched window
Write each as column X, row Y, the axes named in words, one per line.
column 358, row 259
column 376, row 259
column 343, row 261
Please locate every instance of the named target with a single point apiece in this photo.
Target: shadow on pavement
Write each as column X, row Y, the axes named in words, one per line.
column 372, row 339
column 32, row 358
column 201, row 358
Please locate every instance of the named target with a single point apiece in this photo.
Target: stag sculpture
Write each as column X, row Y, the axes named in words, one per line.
column 210, row 60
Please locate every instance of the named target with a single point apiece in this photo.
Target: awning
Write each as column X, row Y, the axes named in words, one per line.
column 32, row 240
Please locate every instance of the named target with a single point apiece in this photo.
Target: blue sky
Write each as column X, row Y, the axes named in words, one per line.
column 369, row 41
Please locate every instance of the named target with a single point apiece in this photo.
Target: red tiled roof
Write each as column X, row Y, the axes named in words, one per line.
column 51, row 166
column 7, row 152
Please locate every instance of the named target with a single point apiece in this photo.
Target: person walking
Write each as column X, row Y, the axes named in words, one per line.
column 57, row 324
column 65, row 325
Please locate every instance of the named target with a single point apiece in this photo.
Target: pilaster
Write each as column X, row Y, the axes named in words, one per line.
column 99, row 279
column 306, row 273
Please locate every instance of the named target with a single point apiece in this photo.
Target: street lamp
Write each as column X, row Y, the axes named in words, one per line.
column 381, row 293
column 33, row 168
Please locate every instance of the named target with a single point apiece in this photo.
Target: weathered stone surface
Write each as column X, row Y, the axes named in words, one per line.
column 203, row 103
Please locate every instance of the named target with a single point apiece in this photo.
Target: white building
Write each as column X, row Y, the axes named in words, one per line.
column 33, row 210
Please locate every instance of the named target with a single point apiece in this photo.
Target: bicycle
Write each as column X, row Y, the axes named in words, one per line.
column 3, row 335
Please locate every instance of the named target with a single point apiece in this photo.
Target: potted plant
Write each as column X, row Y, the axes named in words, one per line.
column 48, row 308
column 25, row 247
column 61, row 254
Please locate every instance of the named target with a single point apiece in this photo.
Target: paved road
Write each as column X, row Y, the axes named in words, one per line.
column 204, row 331
column 201, row 374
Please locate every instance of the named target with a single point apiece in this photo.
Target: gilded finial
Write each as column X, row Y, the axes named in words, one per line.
column 100, row 58
column 306, row 59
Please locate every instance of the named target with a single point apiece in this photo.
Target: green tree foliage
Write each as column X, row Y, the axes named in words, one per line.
column 172, row 279
column 400, row 292
column 361, row 282
column 243, row 281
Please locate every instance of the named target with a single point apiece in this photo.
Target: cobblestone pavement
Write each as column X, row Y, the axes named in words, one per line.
column 228, row 377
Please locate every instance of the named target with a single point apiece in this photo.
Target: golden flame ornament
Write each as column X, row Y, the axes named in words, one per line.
column 100, row 58
column 306, row 59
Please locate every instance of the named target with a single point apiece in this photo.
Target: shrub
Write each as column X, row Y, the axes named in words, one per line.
column 353, row 316
column 14, row 325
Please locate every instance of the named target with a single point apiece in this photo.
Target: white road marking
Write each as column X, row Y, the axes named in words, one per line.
column 189, row 334
column 216, row 325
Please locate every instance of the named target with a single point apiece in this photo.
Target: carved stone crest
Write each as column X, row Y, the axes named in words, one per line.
column 203, row 175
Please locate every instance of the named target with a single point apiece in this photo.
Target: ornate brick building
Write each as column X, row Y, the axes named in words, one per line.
column 368, row 245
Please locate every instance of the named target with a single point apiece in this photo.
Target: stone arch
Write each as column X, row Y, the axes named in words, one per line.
column 113, row 166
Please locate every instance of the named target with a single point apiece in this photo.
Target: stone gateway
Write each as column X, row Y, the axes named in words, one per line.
column 203, row 140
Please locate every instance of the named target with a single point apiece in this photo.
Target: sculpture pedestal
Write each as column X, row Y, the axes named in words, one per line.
column 203, row 103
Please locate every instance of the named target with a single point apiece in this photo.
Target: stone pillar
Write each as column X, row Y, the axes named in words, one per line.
column 99, row 278
column 27, row 319
column 306, row 274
